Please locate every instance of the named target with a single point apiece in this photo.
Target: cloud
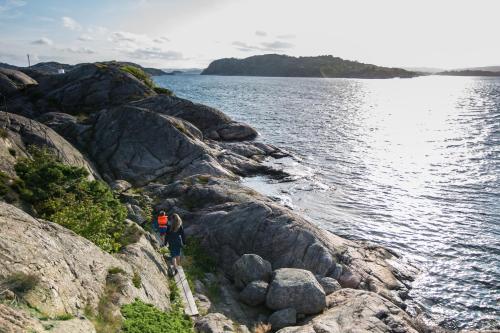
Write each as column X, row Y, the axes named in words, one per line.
column 70, row 23
column 8, row 5
column 286, row 36
column 161, row 40
column 80, row 50
column 85, row 38
column 43, row 41
column 277, row 45
column 97, row 29
column 261, row 33
column 123, row 36
column 264, row 46
column 155, row 53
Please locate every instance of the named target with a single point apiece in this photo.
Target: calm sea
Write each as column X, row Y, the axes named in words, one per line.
column 412, row 164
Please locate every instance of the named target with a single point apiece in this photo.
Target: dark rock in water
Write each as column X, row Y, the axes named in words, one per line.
column 249, row 268
column 329, row 284
column 254, row 293
column 21, row 132
column 12, row 80
column 213, row 123
column 283, row 318
column 214, row 323
column 138, row 145
column 297, row 289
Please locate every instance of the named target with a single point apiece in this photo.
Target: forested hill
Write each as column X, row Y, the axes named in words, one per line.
column 321, row 66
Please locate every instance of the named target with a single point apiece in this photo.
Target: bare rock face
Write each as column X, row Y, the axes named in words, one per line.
column 12, row 80
column 357, row 311
column 297, row 289
column 329, row 284
column 73, row 272
column 139, row 145
column 283, row 318
column 213, row 123
column 251, row 267
column 21, row 132
column 254, row 293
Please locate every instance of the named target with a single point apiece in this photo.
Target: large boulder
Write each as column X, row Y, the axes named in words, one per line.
column 297, row 289
column 138, row 145
column 329, row 284
column 214, row 323
column 358, row 311
column 73, row 272
column 213, row 123
column 19, row 133
column 251, row 267
column 283, row 318
column 254, row 293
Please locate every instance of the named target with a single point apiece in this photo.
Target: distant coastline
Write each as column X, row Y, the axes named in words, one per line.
column 286, row 66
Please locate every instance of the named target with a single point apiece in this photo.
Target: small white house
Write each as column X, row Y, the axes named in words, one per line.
column 60, row 71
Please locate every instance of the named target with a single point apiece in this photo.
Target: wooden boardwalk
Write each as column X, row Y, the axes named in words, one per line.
column 190, row 307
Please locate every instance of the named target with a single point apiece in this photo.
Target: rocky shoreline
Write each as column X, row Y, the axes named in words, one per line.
column 159, row 151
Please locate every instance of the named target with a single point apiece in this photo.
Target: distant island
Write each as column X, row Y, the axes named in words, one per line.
column 286, row 66
column 469, row 72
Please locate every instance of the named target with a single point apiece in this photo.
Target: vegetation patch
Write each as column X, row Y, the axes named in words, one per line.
column 12, row 152
column 63, row 194
column 139, row 74
column 197, row 262
column 116, row 270
column 137, row 280
column 20, row 283
column 4, row 134
column 163, row 91
column 145, row 318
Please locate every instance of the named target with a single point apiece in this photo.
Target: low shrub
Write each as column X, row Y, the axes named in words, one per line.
column 63, row 194
column 116, row 270
column 4, row 134
column 12, row 152
column 145, row 318
column 20, row 283
column 197, row 262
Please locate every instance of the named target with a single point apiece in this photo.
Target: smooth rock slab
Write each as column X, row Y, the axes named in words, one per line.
column 329, row 284
column 295, row 288
column 249, row 268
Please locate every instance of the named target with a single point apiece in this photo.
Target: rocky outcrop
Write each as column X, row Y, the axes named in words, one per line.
column 139, row 146
column 249, row 268
column 232, row 220
column 329, row 284
column 297, row 289
column 213, row 123
column 12, row 80
column 20, row 133
column 73, row 272
column 357, row 311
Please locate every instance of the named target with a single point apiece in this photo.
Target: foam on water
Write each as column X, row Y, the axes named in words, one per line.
column 412, row 164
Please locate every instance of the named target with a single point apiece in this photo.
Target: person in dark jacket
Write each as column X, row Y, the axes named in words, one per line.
column 176, row 240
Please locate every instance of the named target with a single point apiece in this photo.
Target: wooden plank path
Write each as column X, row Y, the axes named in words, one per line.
column 190, row 307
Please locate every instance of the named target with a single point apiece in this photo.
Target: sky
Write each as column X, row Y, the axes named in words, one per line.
column 192, row 33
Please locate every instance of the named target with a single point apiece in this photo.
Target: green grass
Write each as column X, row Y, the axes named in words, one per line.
column 20, row 283
column 163, row 91
column 116, row 270
column 63, row 194
column 137, row 280
column 139, row 74
column 63, row 317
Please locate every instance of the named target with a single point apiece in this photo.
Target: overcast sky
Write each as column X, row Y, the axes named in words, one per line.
column 191, row 33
